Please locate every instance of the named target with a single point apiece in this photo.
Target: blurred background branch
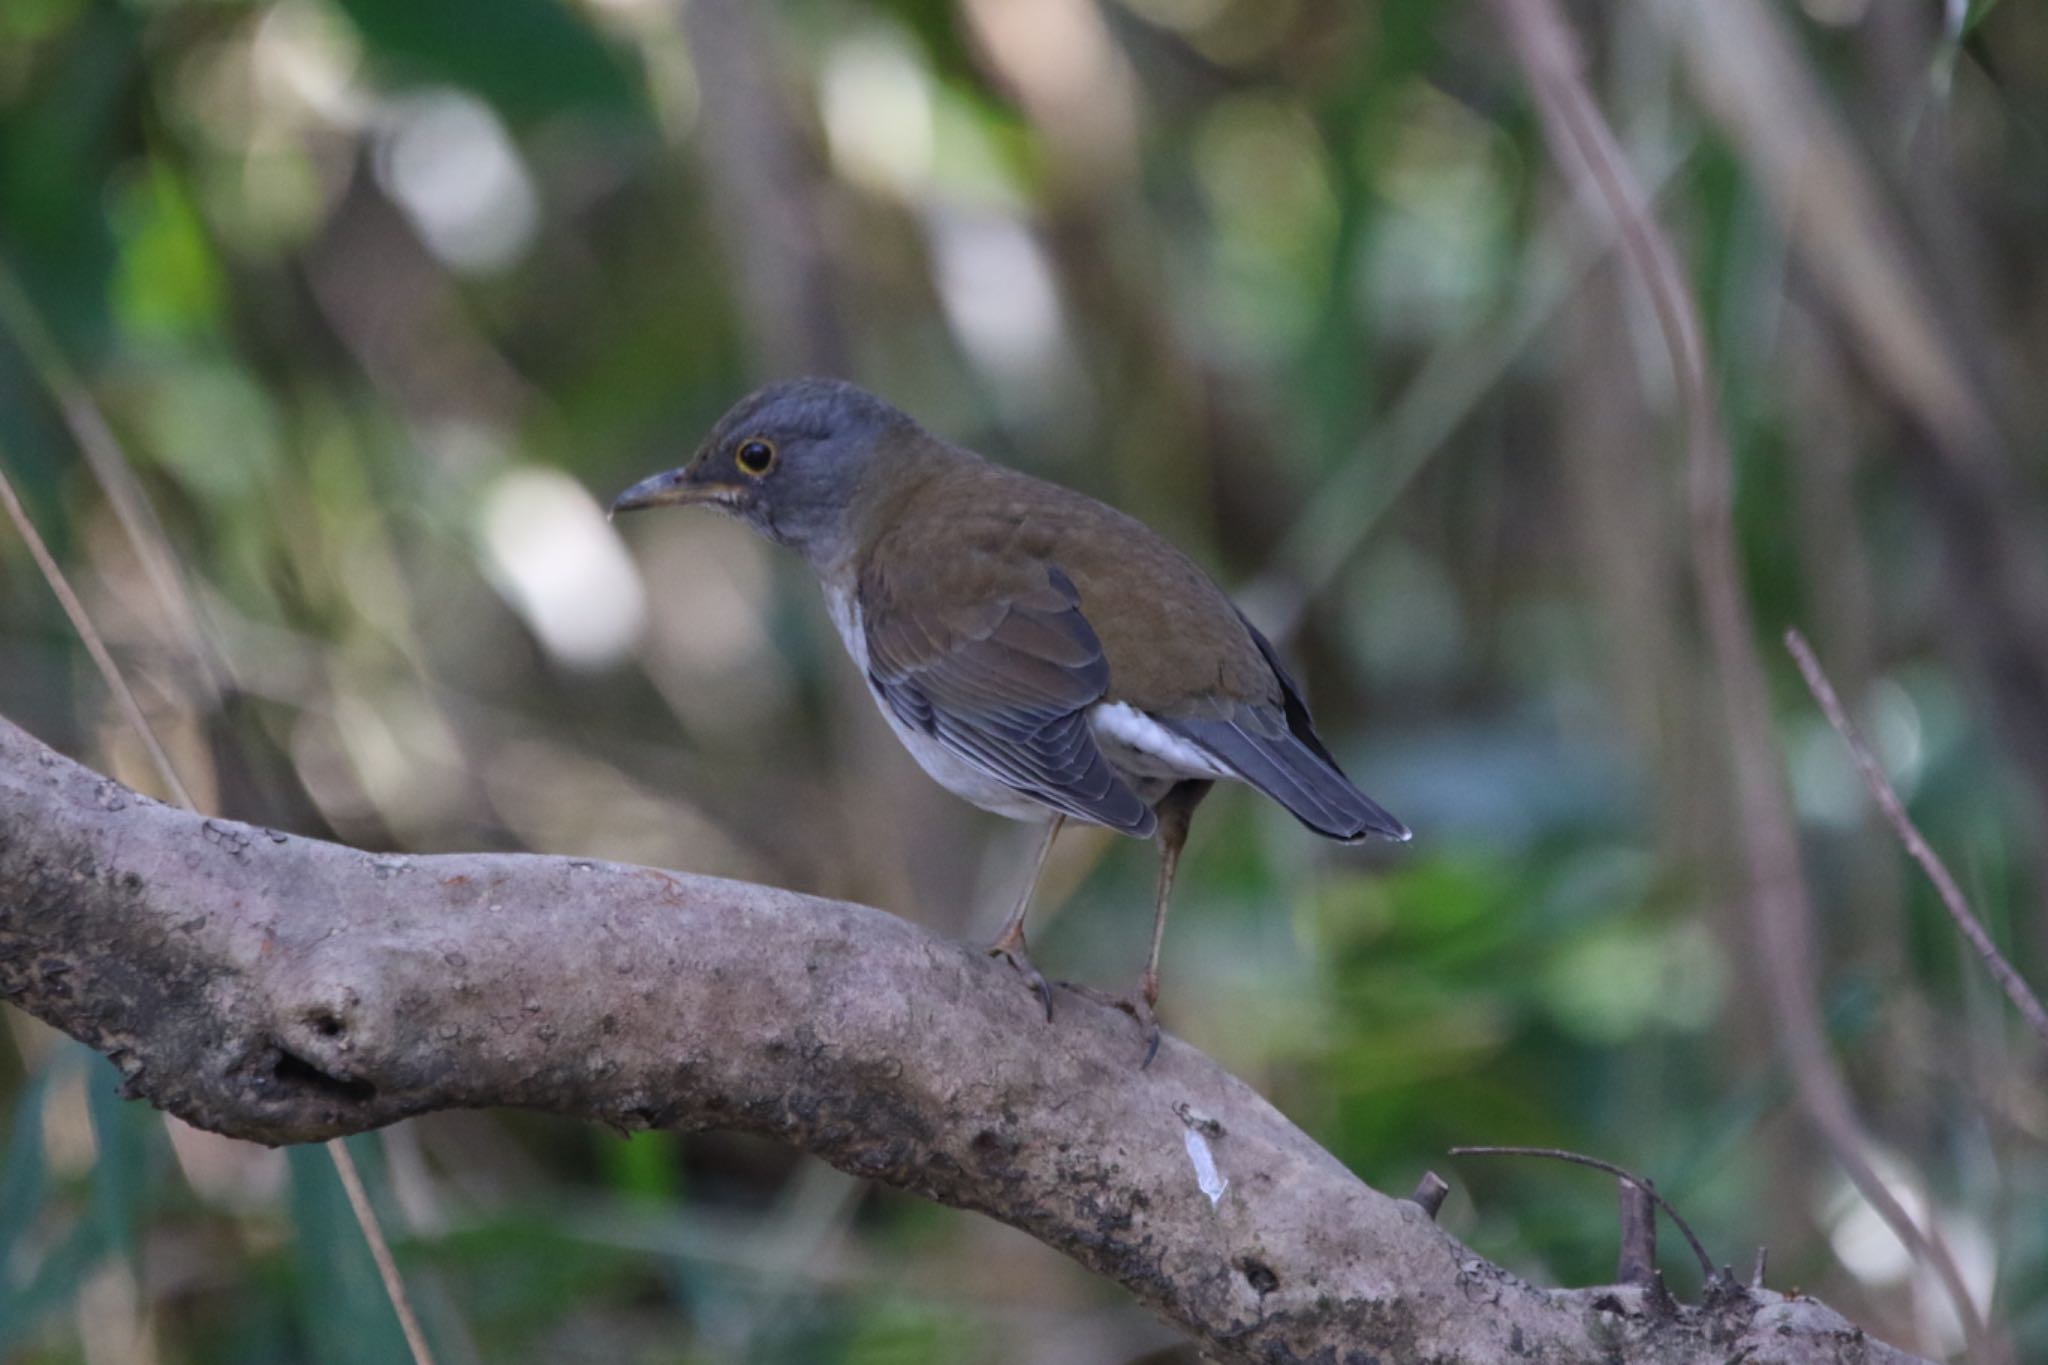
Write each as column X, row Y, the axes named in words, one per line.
column 323, row 324
column 1775, row 889
column 1886, row 798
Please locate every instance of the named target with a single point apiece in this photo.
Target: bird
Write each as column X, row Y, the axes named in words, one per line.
column 1039, row 653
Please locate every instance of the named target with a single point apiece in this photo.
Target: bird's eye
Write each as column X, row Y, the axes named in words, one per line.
column 755, row 457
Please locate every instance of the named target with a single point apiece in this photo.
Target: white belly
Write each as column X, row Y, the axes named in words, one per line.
column 1144, row 753
column 941, row 764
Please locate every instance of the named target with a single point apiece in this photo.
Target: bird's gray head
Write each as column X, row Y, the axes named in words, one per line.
column 788, row 459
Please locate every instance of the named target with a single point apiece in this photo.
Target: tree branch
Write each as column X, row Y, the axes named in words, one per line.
column 1887, row 798
column 288, row 990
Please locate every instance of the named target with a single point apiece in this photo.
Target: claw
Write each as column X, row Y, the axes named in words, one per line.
column 1141, row 1010
column 1014, row 955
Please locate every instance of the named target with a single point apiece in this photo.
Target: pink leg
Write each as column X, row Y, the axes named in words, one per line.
column 1009, row 943
column 1176, row 809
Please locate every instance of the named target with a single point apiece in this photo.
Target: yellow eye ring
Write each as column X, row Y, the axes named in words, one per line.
column 755, row 456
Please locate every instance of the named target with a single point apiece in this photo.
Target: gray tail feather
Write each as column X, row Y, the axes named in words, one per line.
column 1298, row 773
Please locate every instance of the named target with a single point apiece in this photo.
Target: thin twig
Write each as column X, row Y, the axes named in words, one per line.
column 113, row 471
column 94, row 645
column 1580, row 1159
column 380, row 1250
column 1887, row 797
column 1586, row 147
column 344, row 1164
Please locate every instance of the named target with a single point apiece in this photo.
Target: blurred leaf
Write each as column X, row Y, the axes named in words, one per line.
column 217, row 430
column 936, row 23
column 24, row 1178
column 67, row 119
column 519, row 1272
column 1975, row 15
column 25, row 1193
column 530, row 58
column 28, row 20
column 168, row 282
column 893, row 1333
column 342, row 1306
column 58, row 1279
column 1631, row 977
column 645, row 1166
column 120, row 1171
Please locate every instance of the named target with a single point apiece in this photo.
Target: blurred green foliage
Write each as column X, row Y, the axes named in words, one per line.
column 377, row 299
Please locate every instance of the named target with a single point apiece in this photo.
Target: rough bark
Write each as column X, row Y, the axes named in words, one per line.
column 284, row 989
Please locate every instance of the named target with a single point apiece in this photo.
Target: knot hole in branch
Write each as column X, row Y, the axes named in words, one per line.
column 1259, row 1276
column 295, row 1071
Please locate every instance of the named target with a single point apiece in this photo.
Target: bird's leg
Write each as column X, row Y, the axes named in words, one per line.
column 1175, row 810
column 1009, row 944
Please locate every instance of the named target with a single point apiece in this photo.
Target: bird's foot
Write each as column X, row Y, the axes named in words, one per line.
column 1139, row 1009
column 1148, row 995
column 1010, row 948
column 1147, row 1019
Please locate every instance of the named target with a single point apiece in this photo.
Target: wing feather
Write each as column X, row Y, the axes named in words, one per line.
column 1006, row 685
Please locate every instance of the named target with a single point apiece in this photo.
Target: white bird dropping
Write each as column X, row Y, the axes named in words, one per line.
column 1207, row 1178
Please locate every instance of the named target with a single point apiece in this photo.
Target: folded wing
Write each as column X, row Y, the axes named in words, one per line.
column 1005, row 683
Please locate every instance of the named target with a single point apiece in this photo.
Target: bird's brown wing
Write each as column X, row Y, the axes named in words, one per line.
column 1003, row 675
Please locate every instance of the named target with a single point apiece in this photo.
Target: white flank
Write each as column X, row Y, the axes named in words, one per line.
column 1153, row 750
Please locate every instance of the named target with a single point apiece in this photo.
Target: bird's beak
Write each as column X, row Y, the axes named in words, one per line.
column 674, row 488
